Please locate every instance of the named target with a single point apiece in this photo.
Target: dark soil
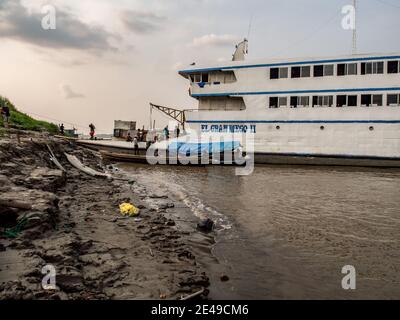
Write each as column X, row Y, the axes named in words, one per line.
column 74, row 224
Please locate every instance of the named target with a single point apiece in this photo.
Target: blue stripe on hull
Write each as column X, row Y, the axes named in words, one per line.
column 268, row 65
column 292, row 92
column 295, row 121
column 340, row 156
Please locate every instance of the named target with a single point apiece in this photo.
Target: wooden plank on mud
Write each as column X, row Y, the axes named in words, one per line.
column 11, row 203
column 85, row 169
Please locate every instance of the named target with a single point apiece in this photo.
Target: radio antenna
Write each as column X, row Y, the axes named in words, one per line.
column 250, row 25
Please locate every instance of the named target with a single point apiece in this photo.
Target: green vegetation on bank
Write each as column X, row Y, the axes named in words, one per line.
column 23, row 121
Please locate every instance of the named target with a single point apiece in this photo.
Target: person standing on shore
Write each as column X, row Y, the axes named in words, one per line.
column 62, row 129
column 92, row 132
column 136, row 145
column 166, row 133
column 5, row 112
column 177, row 131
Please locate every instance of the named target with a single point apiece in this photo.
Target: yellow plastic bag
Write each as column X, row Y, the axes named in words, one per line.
column 128, row 209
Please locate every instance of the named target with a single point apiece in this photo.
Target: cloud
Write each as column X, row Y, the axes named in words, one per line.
column 141, row 22
column 68, row 93
column 216, row 40
column 19, row 23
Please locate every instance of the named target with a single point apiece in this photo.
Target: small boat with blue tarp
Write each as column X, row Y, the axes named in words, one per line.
column 186, row 151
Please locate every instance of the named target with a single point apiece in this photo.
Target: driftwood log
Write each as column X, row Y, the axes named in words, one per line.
column 11, row 203
column 78, row 165
column 193, row 295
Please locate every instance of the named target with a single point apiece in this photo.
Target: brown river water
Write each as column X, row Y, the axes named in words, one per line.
column 286, row 232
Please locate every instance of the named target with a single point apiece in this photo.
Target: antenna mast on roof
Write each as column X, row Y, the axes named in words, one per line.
column 355, row 28
column 250, row 25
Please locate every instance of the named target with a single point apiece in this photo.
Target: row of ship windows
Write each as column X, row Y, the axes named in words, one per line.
column 342, row 69
column 367, row 100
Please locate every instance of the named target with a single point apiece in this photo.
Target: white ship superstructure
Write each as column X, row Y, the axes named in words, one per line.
column 312, row 110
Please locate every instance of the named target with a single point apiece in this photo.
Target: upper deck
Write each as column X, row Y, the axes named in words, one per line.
column 306, row 76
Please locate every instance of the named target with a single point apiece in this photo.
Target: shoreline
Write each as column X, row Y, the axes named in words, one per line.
column 75, row 225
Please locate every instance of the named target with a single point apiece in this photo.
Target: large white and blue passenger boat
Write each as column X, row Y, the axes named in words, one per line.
column 342, row 110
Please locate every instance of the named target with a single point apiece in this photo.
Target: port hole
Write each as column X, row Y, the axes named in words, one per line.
column 371, row 128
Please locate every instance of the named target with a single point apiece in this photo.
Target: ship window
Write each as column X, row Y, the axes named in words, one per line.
column 319, row 71
column 347, row 69
column 200, row 77
column 322, row 101
column 283, row 73
column 368, row 68
column 341, row 70
column 341, row 101
column 273, row 102
column 301, row 72
column 372, row 68
column 304, row 101
column 393, row 100
column 293, row 102
column 323, row 70
column 328, row 70
column 328, row 101
column 393, row 66
column 377, row 68
column 296, row 72
column 377, row 100
column 352, row 101
column 282, row 101
column 305, row 72
column 274, row 73
column 366, row 100
column 352, row 69
column 279, row 73
column 299, row 101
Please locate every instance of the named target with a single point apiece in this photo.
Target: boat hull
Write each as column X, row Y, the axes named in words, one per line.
column 351, row 137
column 325, row 160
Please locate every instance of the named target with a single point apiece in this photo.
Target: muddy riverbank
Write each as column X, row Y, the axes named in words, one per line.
column 73, row 223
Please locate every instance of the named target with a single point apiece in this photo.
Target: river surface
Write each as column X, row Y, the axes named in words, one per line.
column 286, row 232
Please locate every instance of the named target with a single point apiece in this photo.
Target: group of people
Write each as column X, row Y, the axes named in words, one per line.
column 177, row 132
column 141, row 137
column 141, row 134
column 5, row 113
column 136, row 139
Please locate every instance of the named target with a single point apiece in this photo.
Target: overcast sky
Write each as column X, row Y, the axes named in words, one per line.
column 108, row 59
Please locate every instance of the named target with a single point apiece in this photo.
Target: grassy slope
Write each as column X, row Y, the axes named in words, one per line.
column 23, row 121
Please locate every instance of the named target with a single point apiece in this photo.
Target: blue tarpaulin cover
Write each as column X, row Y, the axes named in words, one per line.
column 196, row 148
